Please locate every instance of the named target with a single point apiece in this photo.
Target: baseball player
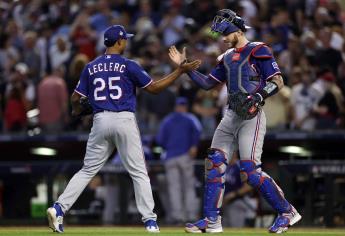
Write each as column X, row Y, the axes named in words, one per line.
column 107, row 88
column 252, row 75
column 179, row 135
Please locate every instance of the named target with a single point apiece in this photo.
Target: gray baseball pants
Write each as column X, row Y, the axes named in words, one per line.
column 110, row 130
column 247, row 136
column 181, row 187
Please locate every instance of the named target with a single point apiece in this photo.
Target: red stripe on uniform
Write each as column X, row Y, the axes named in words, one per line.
column 213, row 77
column 256, row 135
column 141, row 144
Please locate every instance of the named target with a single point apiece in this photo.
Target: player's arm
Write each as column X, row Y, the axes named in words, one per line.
column 80, row 105
column 157, row 86
column 76, row 107
column 79, row 99
column 272, row 87
column 203, row 81
column 270, row 72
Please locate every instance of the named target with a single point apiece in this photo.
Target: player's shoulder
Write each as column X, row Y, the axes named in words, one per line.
column 256, row 44
column 168, row 120
column 190, row 115
column 194, row 119
column 220, row 57
column 261, row 50
column 131, row 63
column 98, row 59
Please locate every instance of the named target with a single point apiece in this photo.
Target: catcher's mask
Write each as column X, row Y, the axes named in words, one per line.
column 226, row 22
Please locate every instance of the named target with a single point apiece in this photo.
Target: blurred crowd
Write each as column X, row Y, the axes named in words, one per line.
column 45, row 44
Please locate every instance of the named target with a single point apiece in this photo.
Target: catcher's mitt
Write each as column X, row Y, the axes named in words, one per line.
column 245, row 105
column 86, row 108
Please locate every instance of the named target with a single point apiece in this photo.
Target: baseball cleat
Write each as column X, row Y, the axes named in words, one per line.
column 151, row 226
column 284, row 221
column 55, row 218
column 205, row 226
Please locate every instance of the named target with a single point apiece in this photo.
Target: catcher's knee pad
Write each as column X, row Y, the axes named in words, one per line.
column 215, row 166
column 249, row 173
column 265, row 185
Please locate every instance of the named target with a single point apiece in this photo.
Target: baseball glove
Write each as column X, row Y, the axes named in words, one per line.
column 245, row 105
column 86, row 108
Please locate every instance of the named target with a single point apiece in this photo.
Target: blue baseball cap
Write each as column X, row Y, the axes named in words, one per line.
column 181, row 101
column 114, row 33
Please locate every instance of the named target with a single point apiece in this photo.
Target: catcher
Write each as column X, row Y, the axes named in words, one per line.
column 252, row 75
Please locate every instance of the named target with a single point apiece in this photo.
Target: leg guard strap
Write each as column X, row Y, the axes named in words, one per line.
column 265, row 185
column 215, row 166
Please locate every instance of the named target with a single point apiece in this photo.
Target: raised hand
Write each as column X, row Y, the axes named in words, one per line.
column 189, row 66
column 177, row 57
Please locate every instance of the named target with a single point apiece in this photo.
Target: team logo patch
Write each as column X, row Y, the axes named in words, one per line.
column 252, row 110
column 275, row 65
column 236, row 57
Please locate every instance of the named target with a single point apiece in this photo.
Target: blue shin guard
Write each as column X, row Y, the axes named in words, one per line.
column 265, row 185
column 215, row 166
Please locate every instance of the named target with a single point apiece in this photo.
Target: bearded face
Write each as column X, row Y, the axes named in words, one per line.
column 231, row 39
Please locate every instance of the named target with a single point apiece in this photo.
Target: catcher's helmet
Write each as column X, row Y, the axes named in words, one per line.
column 226, row 21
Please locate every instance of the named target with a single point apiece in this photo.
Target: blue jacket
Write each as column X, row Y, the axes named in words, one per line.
column 177, row 133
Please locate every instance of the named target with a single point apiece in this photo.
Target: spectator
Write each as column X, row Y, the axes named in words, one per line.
column 306, row 34
column 31, row 57
column 16, row 106
column 327, row 109
column 83, row 36
column 205, row 106
column 289, row 58
column 75, row 68
column 309, row 45
column 326, row 56
column 303, row 99
column 15, row 111
column 20, row 79
column 201, row 11
column 60, row 52
column 277, row 109
column 145, row 11
column 52, row 102
column 179, row 135
column 9, row 55
column 103, row 17
column 43, row 47
column 171, row 26
column 280, row 30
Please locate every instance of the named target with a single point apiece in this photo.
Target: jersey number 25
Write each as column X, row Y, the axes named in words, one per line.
column 115, row 91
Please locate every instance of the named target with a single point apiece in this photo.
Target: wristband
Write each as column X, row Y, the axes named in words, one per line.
column 270, row 89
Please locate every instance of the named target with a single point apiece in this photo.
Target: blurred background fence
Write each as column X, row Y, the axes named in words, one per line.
column 310, row 167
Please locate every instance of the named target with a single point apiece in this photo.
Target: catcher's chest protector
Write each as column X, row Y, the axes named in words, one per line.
column 243, row 74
